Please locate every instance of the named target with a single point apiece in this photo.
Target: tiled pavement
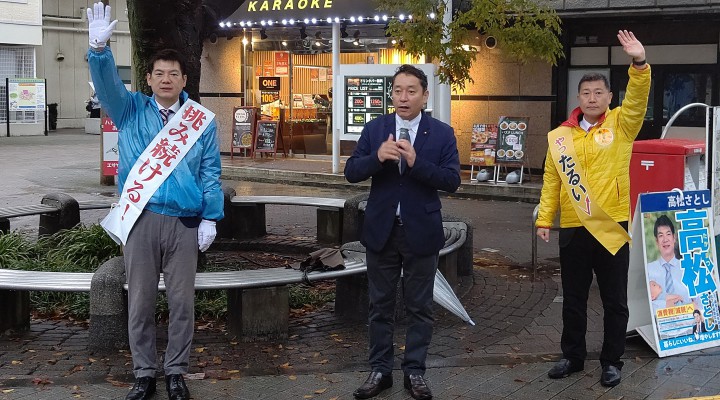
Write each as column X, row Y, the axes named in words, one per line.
column 505, row 356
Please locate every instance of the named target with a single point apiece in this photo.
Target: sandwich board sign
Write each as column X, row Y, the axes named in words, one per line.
column 674, row 244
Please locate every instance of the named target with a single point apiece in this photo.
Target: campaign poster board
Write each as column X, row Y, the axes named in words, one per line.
column 512, row 134
column 110, row 154
column 483, row 143
column 365, row 93
column 26, row 94
column 266, row 133
column 681, row 281
column 242, row 131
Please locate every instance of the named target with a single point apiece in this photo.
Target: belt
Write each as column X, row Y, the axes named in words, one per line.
column 398, row 220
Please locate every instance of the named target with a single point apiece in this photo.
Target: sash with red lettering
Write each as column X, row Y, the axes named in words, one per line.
column 154, row 165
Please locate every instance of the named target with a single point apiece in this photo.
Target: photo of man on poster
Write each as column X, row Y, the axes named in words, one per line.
column 665, row 273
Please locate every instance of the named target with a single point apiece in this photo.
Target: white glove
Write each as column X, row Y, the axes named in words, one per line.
column 99, row 25
column 206, row 234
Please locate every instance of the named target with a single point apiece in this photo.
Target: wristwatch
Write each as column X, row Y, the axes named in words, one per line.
column 639, row 63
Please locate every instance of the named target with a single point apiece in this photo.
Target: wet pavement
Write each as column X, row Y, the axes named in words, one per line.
column 505, row 356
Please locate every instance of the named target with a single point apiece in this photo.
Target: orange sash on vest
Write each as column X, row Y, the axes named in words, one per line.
column 606, row 230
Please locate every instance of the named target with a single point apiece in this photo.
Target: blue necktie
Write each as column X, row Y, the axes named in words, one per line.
column 669, row 286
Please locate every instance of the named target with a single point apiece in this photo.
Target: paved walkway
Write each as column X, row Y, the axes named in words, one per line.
column 505, row 356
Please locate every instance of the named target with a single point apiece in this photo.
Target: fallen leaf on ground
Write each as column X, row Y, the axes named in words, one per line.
column 8, row 390
column 292, row 377
column 199, row 349
column 41, row 381
column 321, row 391
column 195, row 377
column 16, row 362
column 116, row 383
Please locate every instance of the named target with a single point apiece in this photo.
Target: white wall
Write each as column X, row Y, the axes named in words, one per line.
column 20, row 22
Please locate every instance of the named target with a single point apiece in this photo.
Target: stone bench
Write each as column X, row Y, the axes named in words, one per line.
column 248, row 215
column 57, row 211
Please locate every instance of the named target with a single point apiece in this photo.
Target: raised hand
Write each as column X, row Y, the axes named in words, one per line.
column 99, row 26
column 631, row 46
column 388, row 150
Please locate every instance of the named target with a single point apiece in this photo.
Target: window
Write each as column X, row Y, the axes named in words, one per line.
column 16, row 62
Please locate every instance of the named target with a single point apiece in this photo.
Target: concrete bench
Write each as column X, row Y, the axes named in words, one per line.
column 258, row 300
column 248, row 215
column 57, row 211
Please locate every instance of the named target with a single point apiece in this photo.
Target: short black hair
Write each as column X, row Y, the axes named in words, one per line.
column 663, row 220
column 167, row 55
column 696, row 311
column 594, row 77
column 414, row 71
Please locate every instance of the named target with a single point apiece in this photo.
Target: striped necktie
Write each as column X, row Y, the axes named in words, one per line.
column 669, row 282
column 166, row 115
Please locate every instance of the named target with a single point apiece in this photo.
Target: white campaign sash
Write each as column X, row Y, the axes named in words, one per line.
column 154, row 165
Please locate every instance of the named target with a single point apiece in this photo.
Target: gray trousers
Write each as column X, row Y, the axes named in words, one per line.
column 158, row 243
column 383, row 273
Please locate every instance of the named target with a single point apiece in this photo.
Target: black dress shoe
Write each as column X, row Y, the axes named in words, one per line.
column 610, row 376
column 563, row 368
column 143, row 389
column 375, row 383
column 176, row 388
column 417, row 386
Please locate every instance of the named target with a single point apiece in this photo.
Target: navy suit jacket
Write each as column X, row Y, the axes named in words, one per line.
column 437, row 167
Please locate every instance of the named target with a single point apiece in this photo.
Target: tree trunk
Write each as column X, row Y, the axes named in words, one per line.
column 182, row 25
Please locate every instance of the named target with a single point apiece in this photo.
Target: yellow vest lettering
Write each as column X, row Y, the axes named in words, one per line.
column 276, row 5
column 265, row 6
column 251, row 5
column 328, row 4
column 315, row 4
column 289, row 5
column 302, row 4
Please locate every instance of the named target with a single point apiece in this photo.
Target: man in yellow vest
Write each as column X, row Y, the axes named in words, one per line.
column 587, row 179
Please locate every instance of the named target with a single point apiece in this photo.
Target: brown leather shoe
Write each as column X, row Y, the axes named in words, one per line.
column 417, row 386
column 375, row 383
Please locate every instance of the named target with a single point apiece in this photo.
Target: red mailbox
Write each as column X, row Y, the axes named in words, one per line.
column 664, row 164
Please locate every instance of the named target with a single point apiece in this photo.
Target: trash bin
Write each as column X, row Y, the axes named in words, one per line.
column 660, row 165
column 52, row 116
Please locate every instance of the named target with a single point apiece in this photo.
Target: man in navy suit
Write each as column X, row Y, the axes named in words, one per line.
column 403, row 224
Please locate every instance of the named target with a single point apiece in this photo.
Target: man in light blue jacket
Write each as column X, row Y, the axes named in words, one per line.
column 178, row 220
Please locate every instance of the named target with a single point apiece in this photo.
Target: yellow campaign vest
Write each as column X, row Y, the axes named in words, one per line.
column 606, row 230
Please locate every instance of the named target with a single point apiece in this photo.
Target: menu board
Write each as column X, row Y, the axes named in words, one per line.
column 367, row 98
column 297, row 100
column 266, row 139
column 483, row 144
column 512, row 132
column 243, row 118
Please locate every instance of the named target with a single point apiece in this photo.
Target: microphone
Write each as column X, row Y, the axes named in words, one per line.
column 404, row 134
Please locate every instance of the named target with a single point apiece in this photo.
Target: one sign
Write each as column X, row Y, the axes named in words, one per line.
column 110, row 155
column 26, row 94
column 482, row 144
column 681, row 278
column 512, row 132
column 266, row 136
column 307, row 99
column 270, row 83
column 243, row 120
column 282, row 63
column 367, row 98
